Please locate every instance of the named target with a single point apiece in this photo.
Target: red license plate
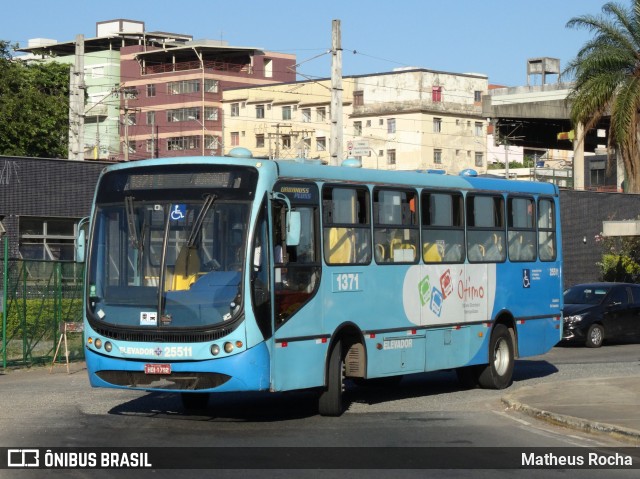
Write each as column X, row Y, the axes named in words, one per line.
column 157, row 368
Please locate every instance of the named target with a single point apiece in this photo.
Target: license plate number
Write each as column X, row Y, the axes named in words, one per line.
column 157, row 368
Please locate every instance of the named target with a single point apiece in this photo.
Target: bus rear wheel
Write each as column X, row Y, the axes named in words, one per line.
column 331, row 402
column 194, row 401
column 498, row 374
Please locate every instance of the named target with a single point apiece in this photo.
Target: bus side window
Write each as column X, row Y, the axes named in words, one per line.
column 395, row 226
column 442, row 227
column 346, row 230
column 485, row 228
column 521, row 226
column 546, row 230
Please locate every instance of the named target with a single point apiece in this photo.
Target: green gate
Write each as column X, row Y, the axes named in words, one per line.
column 38, row 296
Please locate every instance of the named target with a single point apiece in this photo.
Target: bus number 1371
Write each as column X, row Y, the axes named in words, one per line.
column 346, row 282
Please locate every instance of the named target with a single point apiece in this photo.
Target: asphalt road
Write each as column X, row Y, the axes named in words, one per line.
column 38, row 409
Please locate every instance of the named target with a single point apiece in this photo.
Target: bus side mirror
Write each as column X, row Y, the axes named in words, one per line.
column 81, row 240
column 293, row 228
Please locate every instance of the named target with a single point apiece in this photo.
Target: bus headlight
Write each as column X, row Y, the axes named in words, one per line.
column 108, row 346
column 228, row 347
column 98, row 343
column 215, row 349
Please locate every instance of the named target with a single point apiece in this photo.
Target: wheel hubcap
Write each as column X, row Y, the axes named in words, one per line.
column 501, row 357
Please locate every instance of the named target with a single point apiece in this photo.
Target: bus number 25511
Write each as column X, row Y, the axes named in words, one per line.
column 346, row 282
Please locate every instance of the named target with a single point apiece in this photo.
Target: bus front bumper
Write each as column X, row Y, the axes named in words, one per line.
column 246, row 371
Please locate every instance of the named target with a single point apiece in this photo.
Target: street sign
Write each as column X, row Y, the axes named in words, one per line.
column 360, row 148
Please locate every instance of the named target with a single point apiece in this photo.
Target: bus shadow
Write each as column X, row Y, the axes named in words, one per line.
column 271, row 407
column 439, row 383
column 225, row 407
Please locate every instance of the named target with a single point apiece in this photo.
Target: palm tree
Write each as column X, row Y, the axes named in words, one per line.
column 607, row 81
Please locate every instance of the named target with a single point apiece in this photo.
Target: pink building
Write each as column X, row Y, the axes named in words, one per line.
column 171, row 98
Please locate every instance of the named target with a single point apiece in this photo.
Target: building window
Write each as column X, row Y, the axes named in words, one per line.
column 321, row 143
column 479, row 159
column 286, row 112
column 131, row 119
column 210, row 86
column 235, row 109
column 260, row 141
column 210, row 113
column 391, row 125
column 391, row 157
column 368, row 123
column 286, row 142
column 306, row 115
column 436, row 94
column 268, row 68
column 235, row 138
column 183, row 114
column 183, row 143
column 479, row 129
column 184, row 86
column 259, row 111
column 151, row 118
column 477, row 96
column 357, row 128
column 151, row 90
column 211, row 142
column 321, row 114
column 150, row 145
column 47, row 239
column 358, row 98
column 437, row 156
column 437, row 125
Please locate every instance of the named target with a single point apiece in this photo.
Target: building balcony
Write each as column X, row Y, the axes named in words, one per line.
column 196, row 65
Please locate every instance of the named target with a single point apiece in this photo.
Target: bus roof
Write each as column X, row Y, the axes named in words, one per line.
column 310, row 170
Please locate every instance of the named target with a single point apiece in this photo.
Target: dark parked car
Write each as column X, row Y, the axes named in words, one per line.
column 597, row 311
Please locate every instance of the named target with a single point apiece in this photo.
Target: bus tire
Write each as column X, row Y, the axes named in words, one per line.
column 498, row 374
column 194, row 401
column 331, row 402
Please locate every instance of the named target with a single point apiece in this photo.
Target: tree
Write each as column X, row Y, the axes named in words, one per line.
column 607, row 81
column 34, row 111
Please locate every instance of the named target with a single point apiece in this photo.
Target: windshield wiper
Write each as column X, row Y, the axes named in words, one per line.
column 136, row 240
column 197, row 224
column 131, row 221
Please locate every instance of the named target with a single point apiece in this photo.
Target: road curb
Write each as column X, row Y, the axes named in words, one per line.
column 593, row 427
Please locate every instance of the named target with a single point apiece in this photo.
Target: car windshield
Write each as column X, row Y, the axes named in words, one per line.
column 586, row 294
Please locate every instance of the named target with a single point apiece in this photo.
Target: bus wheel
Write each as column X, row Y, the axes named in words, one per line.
column 195, row 401
column 499, row 372
column 331, row 402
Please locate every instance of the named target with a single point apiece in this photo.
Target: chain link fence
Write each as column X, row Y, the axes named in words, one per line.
column 38, row 297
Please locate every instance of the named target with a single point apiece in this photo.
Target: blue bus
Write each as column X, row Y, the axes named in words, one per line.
column 220, row 274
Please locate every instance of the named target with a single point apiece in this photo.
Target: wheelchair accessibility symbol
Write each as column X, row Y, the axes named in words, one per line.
column 178, row 212
column 526, row 278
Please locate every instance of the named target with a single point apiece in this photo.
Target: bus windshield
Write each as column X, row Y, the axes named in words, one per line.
column 173, row 260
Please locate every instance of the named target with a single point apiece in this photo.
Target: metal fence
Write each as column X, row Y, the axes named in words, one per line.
column 38, row 297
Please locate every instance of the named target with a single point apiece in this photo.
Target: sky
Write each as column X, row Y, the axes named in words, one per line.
column 491, row 37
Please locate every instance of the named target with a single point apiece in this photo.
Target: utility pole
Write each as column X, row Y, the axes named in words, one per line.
column 336, row 94
column 76, row 102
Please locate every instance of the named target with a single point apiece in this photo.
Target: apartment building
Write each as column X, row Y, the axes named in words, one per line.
column 101, row 76
column 171, row 98
column 404, row 119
